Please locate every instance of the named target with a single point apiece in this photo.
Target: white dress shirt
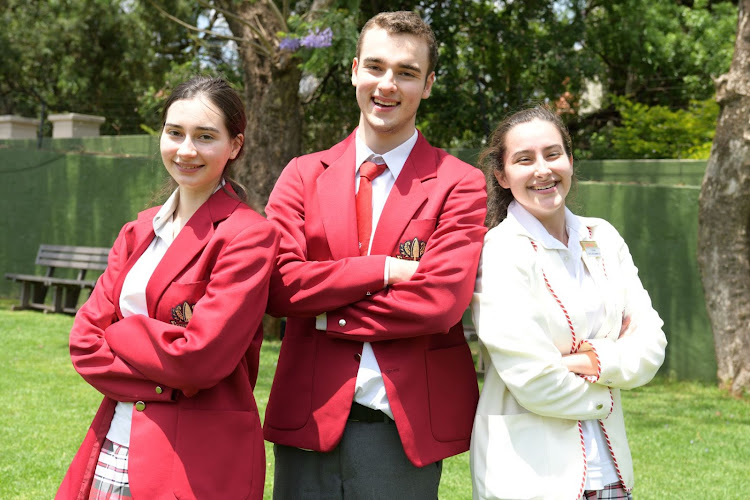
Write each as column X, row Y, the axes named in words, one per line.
column 133, row 300
column 369, row 388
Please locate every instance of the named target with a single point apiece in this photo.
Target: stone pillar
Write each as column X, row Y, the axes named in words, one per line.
column 68, row 125
column 18, row 127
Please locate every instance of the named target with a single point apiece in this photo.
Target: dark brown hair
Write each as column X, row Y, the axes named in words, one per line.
column 404, row 22
column 492, row 157
column 229, row 103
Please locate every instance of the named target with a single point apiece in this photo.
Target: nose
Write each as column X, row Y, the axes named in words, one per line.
column 387, row 82
column 187, row 148
column 542, row 169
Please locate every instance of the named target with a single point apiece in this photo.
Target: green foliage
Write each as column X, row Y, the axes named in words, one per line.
column 660, row 52
column 498, row 56
column 495, row 57
column 326, row 91
column 657, row 131
column 90, row 56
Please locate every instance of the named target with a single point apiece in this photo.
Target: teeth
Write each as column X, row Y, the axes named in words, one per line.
column 383, row 103
column 542, row 188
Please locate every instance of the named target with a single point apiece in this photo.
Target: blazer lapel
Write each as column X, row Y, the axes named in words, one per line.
column 335, row 190
column 189, row 243
column 405, row 198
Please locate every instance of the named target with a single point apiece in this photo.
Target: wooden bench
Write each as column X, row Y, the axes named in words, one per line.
column 65, row 291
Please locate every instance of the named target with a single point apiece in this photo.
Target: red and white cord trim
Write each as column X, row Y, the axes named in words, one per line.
column 612, row 453
column 573, row 349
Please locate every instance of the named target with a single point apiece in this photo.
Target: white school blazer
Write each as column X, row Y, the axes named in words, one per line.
column 527, row 439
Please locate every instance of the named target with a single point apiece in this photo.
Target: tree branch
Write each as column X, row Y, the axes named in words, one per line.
column 207, row 32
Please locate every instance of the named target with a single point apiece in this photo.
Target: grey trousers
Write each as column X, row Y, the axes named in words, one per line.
column 368, row 464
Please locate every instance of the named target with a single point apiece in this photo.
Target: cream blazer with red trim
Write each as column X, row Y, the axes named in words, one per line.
column 526, row 442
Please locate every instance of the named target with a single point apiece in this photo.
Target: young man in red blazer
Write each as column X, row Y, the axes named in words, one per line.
column 375, row 383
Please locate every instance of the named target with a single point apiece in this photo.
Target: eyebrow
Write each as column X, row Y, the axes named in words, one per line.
column 410, row 67
column 207, row 129
column 530, row 151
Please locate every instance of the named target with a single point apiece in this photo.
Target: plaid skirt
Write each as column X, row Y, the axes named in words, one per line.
column 614, row 491
column 111, row 474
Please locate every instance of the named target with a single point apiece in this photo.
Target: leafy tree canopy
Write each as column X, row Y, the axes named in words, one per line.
column 87, row 56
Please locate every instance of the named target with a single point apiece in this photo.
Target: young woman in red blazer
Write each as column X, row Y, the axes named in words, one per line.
column 172, row 331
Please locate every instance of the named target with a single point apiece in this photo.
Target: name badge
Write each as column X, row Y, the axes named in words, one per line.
column 591, row 248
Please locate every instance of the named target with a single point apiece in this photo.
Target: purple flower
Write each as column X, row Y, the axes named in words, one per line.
column 289, row 43
column 317, row 39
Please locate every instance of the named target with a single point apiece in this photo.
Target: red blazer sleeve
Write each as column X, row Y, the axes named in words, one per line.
column 440, row 290
column 307, row 288
column 91, row 354
column 222, row 325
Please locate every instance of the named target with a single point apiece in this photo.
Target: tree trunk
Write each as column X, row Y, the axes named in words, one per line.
column 724, row 219
column 274, row 127
column 274, row 114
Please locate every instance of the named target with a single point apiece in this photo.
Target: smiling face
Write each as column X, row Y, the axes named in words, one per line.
column 391, row 79
column 537, row 171
column 196, row 145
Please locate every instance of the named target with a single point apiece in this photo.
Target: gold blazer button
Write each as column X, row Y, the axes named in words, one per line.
column 342, row 322
column 159, row 390
column 140, row 406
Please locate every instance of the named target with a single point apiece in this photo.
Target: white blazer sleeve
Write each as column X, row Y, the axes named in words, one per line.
column 633, row 359
column 513, row 328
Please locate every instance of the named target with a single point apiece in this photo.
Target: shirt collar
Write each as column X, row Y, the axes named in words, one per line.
column 163, row 218
column 576, row 230
column 395, row 158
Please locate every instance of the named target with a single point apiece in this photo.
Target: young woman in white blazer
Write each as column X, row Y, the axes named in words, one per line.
column 564, row 322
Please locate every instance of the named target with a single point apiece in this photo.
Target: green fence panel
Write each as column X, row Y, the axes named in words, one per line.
column 81, row 192
column 660, row 226
column 66, row 198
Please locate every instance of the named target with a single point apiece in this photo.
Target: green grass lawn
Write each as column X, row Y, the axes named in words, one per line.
column 688, row 440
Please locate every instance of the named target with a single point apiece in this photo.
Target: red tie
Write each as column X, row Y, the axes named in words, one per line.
column 367, row 172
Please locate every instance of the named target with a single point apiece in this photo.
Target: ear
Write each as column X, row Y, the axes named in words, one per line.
column 237, row 143
column 428, row 85
column 355, row 66
column 500, row 176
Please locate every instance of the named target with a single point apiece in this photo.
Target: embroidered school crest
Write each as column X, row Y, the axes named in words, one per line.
column 181, row 314
column 411, row 249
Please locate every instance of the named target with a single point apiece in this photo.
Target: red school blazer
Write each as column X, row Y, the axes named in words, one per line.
column 435, row 214
column 192, row 362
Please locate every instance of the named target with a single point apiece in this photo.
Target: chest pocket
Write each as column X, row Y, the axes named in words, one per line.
column 413, row 241
column 177, row 304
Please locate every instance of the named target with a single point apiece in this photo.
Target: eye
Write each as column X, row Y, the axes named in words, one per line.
column 205, row 137
column 173, row 133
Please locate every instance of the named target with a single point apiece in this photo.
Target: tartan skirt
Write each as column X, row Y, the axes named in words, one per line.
column 614, row 491
column 111, row 474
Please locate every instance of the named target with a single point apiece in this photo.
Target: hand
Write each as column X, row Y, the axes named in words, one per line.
column 582, row 363
column 624, row 327
column 401, row 270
